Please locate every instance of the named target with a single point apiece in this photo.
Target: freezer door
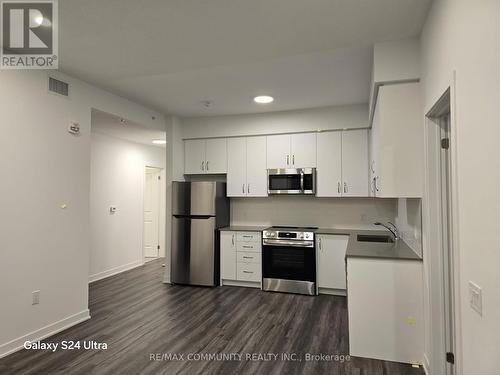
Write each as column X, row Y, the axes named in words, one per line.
column 193, row 252
column 203, row 198
column 193, row 198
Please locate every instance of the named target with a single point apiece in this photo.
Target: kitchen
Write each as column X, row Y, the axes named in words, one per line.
column 312, row 212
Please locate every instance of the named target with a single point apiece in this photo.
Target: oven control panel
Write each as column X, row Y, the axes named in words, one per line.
column 288, row 235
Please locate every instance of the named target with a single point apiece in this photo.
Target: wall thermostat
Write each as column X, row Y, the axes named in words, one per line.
column 74, row 128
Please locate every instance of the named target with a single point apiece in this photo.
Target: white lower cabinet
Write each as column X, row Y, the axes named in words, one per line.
column 241, row 258
column 384, row 298
column 331, row 275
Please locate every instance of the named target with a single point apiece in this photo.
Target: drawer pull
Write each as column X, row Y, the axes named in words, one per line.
column 247, row 247
column 247, row 272
column 247, row 257
column 247, row 236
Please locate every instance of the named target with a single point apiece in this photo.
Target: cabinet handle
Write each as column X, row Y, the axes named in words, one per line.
column 320, row 245
column 247, row 257
column 376, row 184
column 248, row 188
column 248, row 247
column 247, row 236
column 293, row 159
column 207, row 165
column 288, row 160
column 243, row 188
column 232, row 239
column 247, row 272
column 338, row 187
column 345, row 187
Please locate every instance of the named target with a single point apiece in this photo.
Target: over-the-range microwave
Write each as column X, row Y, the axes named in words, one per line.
column 291, row 181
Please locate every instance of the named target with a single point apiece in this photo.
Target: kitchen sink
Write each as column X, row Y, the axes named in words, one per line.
column 375, row 238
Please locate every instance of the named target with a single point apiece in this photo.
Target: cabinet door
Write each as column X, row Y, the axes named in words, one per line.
column 355, row 163
column 331, row 261
column 329, row 168
column 256, row 167
column 228, row 255
column 194, row 156
column 303, row 150
column 278, row 151
column 216, row 156
column 236, row 167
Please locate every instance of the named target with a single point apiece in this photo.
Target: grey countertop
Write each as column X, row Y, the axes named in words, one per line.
column 355, row 249
column 397, row 250
column 245, row 228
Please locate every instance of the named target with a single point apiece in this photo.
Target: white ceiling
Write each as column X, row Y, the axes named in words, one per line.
column 172, row 55
column 117, row 127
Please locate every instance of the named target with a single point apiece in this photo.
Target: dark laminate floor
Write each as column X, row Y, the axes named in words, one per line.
column 137, row 315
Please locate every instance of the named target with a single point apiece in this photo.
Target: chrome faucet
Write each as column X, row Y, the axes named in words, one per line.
column 391, row 228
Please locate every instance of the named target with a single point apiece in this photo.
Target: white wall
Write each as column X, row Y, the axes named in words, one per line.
column 322, row 212
column 462, row 36
column 306, row 120
column 44, row 247
column 117, row 179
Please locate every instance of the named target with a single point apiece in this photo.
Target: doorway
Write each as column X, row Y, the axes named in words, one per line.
column 440, row 166
column 153, row 246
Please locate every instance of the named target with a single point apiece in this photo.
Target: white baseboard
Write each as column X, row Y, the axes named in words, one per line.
column 44, row 332
column 333, row 292
column 114, row 271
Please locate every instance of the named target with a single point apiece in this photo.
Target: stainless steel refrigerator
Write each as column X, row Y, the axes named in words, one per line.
column 199, row 209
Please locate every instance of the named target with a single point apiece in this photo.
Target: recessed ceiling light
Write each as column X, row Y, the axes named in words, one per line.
column 159, row 141
column 263, row 99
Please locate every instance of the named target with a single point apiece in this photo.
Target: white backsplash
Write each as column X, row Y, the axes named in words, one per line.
column 409, row 222
column 311, row 211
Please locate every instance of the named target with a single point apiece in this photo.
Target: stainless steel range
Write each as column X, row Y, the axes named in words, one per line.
column 289, row 260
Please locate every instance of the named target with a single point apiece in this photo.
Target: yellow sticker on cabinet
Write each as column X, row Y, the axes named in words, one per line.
column 62, row 206
column 411, row 320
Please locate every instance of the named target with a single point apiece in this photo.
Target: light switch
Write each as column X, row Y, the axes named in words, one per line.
column 476, row 298
column 112, row 209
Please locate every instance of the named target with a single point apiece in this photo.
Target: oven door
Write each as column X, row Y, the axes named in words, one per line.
column 289, row 268
column 291, row 181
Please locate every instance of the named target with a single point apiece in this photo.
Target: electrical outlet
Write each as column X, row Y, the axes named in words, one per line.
column 35, row 297
column 476, row 298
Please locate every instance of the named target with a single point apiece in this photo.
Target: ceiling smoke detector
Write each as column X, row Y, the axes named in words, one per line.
column 207, row 103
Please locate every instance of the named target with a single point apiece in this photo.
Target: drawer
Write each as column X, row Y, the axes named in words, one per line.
column 248, row 271
column 253, row 247
column 248, row 257
column 248, row 236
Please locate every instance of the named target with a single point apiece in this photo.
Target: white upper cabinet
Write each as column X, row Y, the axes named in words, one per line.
column 355, row 163
column 216, row 155
column 194, row 156
column 246, row 172
column 342, row 169
column 203, row 156
column 331, row 251
column 278, row 151
column 329, row 164
column 256, row 167
column 236, row 167
column 291, row 151
column 397, row 142
column 303, row 150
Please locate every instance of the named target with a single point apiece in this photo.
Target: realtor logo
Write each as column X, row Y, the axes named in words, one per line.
column 29, row 35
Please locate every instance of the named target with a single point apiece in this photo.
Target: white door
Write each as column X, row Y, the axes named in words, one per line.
column 151, row 238
column 228, row 255
column 331, row 261
column 216, row 156
column 303, row 150
column 355, row 163
column 329, row 164
column 194, row 156
column 256, row 167
column 237, row 167
column 278, row 151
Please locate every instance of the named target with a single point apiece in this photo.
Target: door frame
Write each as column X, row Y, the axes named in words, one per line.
column 433, row 117
column 161, row 212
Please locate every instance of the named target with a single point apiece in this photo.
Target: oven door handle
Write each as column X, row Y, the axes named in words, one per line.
column 302, row 180
column 288, row 243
